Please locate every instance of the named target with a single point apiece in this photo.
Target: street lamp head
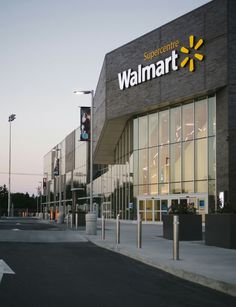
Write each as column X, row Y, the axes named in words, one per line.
column 83, row 92
column 11, row 117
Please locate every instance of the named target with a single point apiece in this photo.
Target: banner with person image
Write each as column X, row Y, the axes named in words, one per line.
column 85, row 115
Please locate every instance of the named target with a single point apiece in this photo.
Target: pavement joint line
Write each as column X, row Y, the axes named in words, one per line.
column 214, row 284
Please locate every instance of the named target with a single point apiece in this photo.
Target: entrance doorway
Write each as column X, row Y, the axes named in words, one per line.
column 152, row 208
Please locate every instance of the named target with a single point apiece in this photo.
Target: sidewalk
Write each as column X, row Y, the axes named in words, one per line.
column 206, row 265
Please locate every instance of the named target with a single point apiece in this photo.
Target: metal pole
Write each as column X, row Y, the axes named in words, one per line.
column 76, row 220
column 103, row 227
column 9, row 183
column 38, row 203
column 139, row 230
column 118, row 229
column 91, row 153
column 71, row 220
column 176, row 237
column 67, row 220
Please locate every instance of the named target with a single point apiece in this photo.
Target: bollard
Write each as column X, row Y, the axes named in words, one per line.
column 176, row 237
column 71, row 220
column 103, row 227
column 118, row 229
column 139, row 232
column 76, row 220
column 67, row 221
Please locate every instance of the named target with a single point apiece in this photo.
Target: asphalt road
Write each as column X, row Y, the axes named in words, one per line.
column 24, row 224
column 82, row 274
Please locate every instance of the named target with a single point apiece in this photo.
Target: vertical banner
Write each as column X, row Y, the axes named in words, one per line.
column 56, row 168
column 85, row 114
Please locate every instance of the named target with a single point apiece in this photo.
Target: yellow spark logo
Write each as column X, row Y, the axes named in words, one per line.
column 196, row 55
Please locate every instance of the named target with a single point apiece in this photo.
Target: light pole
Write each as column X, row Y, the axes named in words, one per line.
column 91, row 218
column 40, row 194
column 10, row 119
column 61, row 209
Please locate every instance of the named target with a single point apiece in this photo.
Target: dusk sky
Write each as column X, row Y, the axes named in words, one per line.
column 48, row 48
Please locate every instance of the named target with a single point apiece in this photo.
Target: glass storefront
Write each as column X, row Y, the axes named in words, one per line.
column 160, row 155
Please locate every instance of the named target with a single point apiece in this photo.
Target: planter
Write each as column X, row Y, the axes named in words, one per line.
column 190, row 227
column 220, row 230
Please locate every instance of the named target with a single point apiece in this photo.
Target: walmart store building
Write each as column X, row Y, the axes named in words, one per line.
column 164, row 117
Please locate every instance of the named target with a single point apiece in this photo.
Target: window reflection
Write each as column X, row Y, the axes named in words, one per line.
column 188, row 161
column 143, row 166
column 212, row 115
column 201, row 159
column 188, row 122
column 201, row 119
column 164, row 164
column 153, row 165
column 143, row 132
column 175, row 162
column 164, row 127
column 175, row 123
column 153, row 129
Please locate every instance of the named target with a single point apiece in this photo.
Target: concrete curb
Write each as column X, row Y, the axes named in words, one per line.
column 221, row 286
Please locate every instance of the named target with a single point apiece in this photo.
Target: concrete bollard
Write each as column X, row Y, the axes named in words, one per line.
column 71, row 220
column 118, row 229
column 139, row 232
column 176, row 237
column 91, row 223
column 76, row 220
column 103, row 227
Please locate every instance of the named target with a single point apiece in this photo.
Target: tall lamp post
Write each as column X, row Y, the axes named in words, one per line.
column 10, row 119
column 40, row 194
column 91, row 217
column 58, row 173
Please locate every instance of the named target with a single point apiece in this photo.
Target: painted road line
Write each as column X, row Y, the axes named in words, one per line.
column 4, row 269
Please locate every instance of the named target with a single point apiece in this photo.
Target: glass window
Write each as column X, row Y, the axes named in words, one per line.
column 188, row 187
column 143, row 132
column 212, row 115
column 143, row 189
column 201, row 159
column 212, row 158
column 201, row 118
column 153, row 129
column 175, row 124
column 136, row 190
column 157, row 216
column 175, row 188
column 149, row 216
column 188, row 122
column 175, row 162
column 201, row 186
column 188, row 161
column 149, row 205
column 135, row 133
column 153, row 189
column 136, row 168
column 157, row 204
column 163, row 188
column 143, row 166
column 164, row 127
column 153, row 165
column 142, row 205
column 164, row 164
